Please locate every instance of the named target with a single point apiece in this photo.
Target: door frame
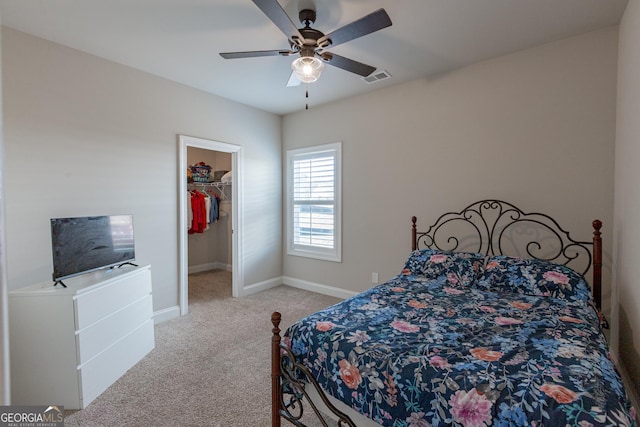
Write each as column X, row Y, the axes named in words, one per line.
column 184, row 143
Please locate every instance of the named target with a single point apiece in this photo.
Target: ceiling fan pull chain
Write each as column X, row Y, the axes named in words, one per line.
column 306, row 107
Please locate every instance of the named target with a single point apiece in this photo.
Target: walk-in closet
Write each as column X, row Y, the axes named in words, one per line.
column 209, row 216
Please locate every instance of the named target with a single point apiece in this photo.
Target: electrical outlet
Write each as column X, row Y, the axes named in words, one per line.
column 374, row 277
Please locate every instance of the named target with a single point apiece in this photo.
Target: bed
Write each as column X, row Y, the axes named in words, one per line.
column 489, row 322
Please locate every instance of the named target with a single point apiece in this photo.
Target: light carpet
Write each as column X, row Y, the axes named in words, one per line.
column 210, row 367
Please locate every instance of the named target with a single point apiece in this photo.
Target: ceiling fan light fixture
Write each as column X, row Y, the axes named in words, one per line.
column 307, row 68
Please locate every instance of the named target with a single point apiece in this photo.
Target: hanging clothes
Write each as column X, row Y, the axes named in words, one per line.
column 198, row 206
column 207, row 211
column 189, row 211
column 203, row 208
column 214, row 214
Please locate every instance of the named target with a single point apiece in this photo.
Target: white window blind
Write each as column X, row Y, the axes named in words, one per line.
column 313, row 220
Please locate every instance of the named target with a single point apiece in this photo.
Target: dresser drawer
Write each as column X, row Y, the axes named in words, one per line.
column 103, row 370
column 100, row 335
column 104, row 300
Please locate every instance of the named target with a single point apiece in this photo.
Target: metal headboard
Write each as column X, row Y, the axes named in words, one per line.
column 495, row 227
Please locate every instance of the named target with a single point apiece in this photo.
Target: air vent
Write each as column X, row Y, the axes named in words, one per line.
column 377, row 76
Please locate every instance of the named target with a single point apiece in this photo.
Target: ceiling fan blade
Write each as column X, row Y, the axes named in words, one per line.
column 278, row 16
column 348, row 64
column 293, row 80
column 255, row 53
column 366, row 25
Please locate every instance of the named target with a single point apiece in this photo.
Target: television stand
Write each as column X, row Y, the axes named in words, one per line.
column 68, row 345
column 61, row 282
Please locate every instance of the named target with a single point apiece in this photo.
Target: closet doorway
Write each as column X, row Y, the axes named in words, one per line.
column 230, row 209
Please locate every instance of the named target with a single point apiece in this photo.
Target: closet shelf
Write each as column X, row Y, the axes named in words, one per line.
column 215, row 184
column 207, row 185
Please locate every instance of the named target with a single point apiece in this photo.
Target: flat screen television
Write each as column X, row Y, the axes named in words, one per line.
column 83, row 244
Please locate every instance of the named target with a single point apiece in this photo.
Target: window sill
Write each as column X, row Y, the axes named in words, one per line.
column 315, row 255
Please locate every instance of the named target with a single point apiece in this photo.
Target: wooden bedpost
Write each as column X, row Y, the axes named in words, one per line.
column 275, row 370
column 597, row 263
column 413, row 233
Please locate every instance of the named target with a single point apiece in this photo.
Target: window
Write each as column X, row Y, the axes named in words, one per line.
column 313, row 202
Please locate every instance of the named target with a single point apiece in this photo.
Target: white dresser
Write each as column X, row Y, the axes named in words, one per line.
column 70, row 344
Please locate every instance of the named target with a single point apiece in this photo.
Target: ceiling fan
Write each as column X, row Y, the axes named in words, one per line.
column 310, row 44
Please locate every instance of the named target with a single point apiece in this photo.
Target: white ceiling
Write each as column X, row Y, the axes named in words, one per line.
column 180, row 39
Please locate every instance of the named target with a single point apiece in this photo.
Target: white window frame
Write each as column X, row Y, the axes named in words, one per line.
column 310, row 251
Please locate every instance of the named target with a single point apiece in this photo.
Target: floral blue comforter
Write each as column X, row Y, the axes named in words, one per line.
column 467, row 348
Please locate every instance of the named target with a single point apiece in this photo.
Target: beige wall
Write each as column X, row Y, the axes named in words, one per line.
column 535, row 128
column 86, row 136
column 626, row 316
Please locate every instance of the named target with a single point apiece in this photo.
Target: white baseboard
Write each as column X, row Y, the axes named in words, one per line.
column 318, row 288
column 261, row 286
column 166, row 314
column 174, row 312
column 210, row 266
